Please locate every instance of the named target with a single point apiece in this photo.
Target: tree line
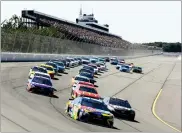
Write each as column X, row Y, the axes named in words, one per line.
column 166, row 47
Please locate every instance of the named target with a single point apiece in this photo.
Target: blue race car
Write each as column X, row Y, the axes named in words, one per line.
column 88, row 75
column 125, row 68
column 114, row 62
column 55, row 66
column 40, row 85
column 61, row 66
column 119, row 65
column 89, row 109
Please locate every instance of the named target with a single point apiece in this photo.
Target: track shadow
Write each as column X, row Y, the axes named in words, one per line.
column 123, row 118
column 67, row 68
column 95, row 77
column 38, row 93
column 98, row 74
column 65, row 72
column 59, row 74
column 96, row 86
column 54, row 96
column 101, row 71
column 54, row 89
column 55, row 79
column 96, row 123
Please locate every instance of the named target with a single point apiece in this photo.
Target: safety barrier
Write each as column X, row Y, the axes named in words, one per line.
column 34, row 57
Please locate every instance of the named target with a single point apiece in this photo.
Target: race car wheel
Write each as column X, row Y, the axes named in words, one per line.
column 79, row 115
column 132, row 118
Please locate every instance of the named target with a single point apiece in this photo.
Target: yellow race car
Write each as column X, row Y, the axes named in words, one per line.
column 50, row 70
column 36, row 69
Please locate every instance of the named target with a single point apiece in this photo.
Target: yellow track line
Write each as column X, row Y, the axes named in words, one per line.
column 154, row 113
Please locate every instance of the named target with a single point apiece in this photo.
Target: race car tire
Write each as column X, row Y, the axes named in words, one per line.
column 131, row 117
column 110, row 125
column 79, row 115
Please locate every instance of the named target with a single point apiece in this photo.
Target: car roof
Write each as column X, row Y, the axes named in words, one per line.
column 81, row 76
column 92, row 99
column 41, row 77
column 47, row 65
column 42, row 73
column 80, row 85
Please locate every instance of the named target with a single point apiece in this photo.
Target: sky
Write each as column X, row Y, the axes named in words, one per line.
column 135, row 21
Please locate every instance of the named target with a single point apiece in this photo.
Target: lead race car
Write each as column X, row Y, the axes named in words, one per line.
column 89, row 109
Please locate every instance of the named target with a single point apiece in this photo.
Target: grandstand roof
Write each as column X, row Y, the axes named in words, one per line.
column 25, row 13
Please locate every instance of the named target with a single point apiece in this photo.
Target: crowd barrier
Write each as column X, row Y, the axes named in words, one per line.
column 34, row 57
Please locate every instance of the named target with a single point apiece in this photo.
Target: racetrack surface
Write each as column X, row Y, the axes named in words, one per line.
column 23, row 111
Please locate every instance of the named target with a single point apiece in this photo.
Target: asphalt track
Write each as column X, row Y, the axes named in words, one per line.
column 23, row 111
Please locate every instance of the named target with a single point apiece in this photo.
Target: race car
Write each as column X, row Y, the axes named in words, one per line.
column 36, row 69
column 83, row 83
column 41, row 74
column 84, row 90
column 102, row 60
column 80, row 78
column 121, row 61
column 55, row 67
column 95, row 67
column 114, row 62
column 86, row 70
column 137, row 69
column 85, row 60
column 89, row 110
column 107, row 59
column 90, row 68
column 119, row 65
column 89, row 76
column 40, row 85
column 50, row 70
column 125, row 68
column 61, row 66
column 120, row 107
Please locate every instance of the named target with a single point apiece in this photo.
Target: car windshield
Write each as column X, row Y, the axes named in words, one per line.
column 49, row 68
column 94, row 67
column 90, row 68
column 87, row 89
column 126, row 67
column 38, row 69
column 119, row 102
column 51, row 64
column 59, row 63
column 42, row 81
column 85, row 58
column 86, row 75
column 41, row 75
column 94, row 104
column 81, row 79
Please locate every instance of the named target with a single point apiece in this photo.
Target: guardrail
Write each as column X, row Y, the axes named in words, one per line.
column 34, row 57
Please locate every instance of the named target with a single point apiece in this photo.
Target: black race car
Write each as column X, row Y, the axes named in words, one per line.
column 120, row 108
column 137, row 69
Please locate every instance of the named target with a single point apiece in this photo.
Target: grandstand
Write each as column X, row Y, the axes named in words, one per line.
column 90, row 32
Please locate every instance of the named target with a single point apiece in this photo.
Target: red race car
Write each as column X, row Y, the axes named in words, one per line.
column 84, row 90
column 84, row 83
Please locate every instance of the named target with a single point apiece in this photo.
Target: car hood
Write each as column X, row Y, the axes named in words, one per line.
column 89, row 94
column 89, row 109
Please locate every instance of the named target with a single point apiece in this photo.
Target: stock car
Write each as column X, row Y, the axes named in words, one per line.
column 41, row 74
column 50, row 70
column 114, row 62
column 86, row 70
column 89, row 68
column 84, row 90
column 137, row 69
column 80, row 78
column 102, row 60
column 55, row 67
column 61, row 66
column 120, row 108
column 83, row 83
column 119, row 65
column 95, row 67
column 85, row 60
column 107, row 59
column 125, row 68
column 36, row 69
column 88, row 75
column 89, row 109
column 40, row 85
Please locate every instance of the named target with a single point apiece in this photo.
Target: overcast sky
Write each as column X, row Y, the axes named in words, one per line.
column 137, row 21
